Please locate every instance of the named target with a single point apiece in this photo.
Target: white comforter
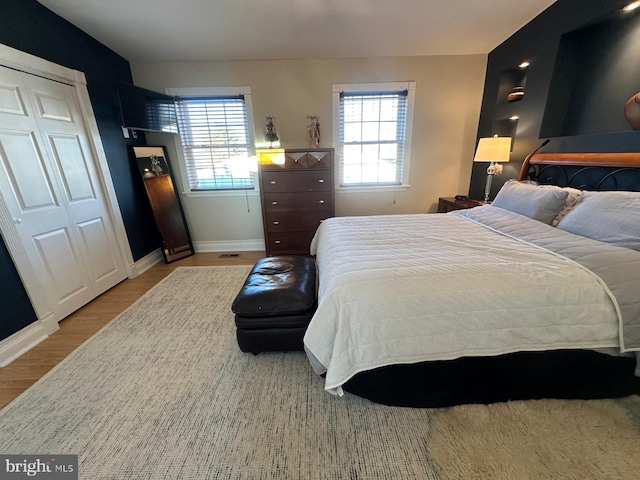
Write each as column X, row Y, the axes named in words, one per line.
column 411, row 288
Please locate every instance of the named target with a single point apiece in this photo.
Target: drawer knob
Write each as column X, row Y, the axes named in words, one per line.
column 321, row 181
column 274, row 203
column 277, row 242
column 276, row 223
column 321, row 201
column 272, row 182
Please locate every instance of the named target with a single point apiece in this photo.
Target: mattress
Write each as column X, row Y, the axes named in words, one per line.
column 403, row 289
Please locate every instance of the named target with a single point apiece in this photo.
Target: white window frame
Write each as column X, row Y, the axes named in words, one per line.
column 215, row 91
column 410, row 86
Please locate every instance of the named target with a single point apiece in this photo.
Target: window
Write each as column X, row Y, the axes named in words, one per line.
column 216, row 139
column 373, row 124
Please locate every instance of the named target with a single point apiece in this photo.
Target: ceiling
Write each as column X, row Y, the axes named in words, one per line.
column 201, row 30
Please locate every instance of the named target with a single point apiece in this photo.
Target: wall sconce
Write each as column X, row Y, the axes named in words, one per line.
column 493, row 150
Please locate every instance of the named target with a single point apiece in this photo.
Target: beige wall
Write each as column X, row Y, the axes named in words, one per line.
column 447, row 107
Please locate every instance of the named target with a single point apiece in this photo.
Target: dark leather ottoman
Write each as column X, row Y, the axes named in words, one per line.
column 275, row 304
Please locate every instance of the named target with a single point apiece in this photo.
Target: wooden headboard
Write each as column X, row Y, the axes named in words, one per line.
column 586, row 171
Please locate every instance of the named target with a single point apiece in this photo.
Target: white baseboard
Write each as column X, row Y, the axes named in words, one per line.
column 230, row 246
column 27, row 338
column 145, row 263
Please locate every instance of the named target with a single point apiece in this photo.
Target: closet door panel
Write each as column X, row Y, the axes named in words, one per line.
column 64, row 138
column 25, row 174
column 73, row 167
column 31, row 193
column 59, row 257
column 49, row 186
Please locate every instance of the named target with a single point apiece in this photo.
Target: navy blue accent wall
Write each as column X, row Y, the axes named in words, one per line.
column 549, row 42
column 28, row 26
column 16, row 308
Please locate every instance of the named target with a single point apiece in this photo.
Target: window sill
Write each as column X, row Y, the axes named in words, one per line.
column 373, row 189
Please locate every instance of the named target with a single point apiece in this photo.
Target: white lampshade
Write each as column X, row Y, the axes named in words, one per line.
column 493, row 149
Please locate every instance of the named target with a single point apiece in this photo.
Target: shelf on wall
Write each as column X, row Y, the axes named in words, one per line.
column 595, row 73
column 511, row 79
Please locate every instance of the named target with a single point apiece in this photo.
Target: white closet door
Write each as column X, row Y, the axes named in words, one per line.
column 49, row 185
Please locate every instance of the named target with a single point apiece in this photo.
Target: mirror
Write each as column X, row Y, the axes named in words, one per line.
column 167, row 210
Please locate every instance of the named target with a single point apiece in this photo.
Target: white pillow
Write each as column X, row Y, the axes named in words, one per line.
column 612, row 217
column 534, row 201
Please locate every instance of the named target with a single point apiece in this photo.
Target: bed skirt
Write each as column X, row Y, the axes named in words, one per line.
column 563, row 374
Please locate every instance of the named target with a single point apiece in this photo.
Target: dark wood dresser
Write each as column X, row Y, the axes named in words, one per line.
column 297, row 193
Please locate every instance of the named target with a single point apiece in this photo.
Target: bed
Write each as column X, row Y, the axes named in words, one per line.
column 533, row 296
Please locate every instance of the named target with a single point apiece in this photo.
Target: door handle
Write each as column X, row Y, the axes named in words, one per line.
column 17, row 220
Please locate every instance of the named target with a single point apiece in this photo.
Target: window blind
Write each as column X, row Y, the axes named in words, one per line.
column 215, row 138
column 372, row 129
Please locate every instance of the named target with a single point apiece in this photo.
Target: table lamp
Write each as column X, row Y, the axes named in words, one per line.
column 493, row 150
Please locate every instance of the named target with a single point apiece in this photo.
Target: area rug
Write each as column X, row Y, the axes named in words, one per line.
column 163, row 392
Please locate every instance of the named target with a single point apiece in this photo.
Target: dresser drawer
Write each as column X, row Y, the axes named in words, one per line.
column 296, row 221
column 318, row 159
column 289, row 243
column 300, row 160
column 297, row 181
column 293, row 202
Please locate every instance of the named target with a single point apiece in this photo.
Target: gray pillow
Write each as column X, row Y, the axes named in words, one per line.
column 534, row 201
column 612, row 217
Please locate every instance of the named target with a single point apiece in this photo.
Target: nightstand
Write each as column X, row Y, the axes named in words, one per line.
column 447, row 204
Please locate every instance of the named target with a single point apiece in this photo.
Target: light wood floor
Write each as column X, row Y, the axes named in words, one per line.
column 23, row 372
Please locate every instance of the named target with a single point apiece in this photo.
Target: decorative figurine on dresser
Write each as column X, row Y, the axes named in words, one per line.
column 297, row 193
column 313, row 129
